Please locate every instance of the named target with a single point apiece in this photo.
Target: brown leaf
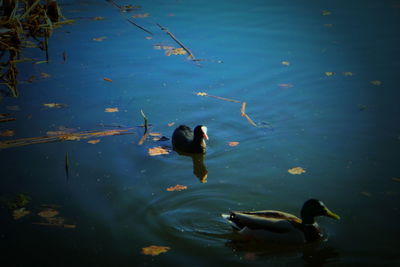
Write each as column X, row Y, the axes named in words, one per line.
column 111, row 110
column 155, row 134
column 177, row 187
column 286, row 63
column 7, row 133
column 93, row 142
column 156, row 151
column 99, row 39
column 233, row 143
column 19, row 213
column 154, row 250
column 98, row 18
column 55, row 105
column 48, row 213
column 176, row 51
column 140, row 16
column 296, row 170
column 107, row 79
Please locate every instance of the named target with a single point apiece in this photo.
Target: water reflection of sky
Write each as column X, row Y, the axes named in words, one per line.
column 342, row 129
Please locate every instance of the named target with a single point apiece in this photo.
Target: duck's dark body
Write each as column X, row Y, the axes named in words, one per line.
column 186, row 140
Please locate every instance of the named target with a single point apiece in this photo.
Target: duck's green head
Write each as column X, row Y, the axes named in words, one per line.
column 313, row 208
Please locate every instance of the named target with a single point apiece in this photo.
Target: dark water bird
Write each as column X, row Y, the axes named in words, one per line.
column 188, row 141
column 281, row 227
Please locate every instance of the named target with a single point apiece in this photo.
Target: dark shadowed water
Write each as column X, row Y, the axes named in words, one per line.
column 320, row 79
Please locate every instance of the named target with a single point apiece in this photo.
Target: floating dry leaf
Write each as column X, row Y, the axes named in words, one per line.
column 201, row 93
column 45, row 75
column 7, row 132
column 93, row 142
column 176, row 51
column 140, row 16
column 3, row 115
column 170, row 124
column 162, row 47
column 54, row 105
column 325, row 12
column 347, row 73
column 154, row 250
column 148, row 37
column 98, row 18
column 177, row 187
column 296, row 170
column 396, row 179
column 233, row 143
column 329, row 73
column 285, row 85
column 286, row 63
column 156, row 151
column 376, row 82
column 100, row 39
column 155, row 134
column 19, row 213
column 50, row 133
column 111, row 110
column 48, row 213
column 107, row 79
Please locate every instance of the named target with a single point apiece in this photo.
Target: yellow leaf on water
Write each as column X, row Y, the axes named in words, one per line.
column 177, row 187
column 376, row 82
column 107, row 79
column 7, row 132
column 48, row 213
column 111, row 110
column 156, row 151
column 155, row 134
column 285, row 85
column 19, row 213
column 296, row 170
column 71, row 137
column 201, row 93
column 155, row 250
column 93, row 142
column 347, row 73
column 233, row 143
column 164, row 47
column 325, row 12
column 98, row 18
column 99, row 39
column 45, row 75
column 176, row 51
column 286, row 63
column 140, row 16
column 329, row 73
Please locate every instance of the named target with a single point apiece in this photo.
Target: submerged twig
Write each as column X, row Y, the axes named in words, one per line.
column 66, row 165
column 177, row 41
column 140, row 27
column 145, row 134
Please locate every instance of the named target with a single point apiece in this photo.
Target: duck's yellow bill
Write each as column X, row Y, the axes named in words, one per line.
column 332, row 215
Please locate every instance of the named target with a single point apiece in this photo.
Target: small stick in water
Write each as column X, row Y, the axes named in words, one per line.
column 145, row 134
column 140, row 27
column 177, row 41
column 66, row 165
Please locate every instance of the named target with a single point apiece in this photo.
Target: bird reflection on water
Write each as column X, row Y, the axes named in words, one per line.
column 199, row 168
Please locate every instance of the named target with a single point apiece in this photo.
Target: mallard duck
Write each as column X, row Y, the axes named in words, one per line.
column 281, row 227
column 186, row 140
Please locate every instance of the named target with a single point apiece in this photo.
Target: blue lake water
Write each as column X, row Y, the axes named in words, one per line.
column 320, row 79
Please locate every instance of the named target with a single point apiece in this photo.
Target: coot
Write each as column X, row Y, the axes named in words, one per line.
column 186, row 140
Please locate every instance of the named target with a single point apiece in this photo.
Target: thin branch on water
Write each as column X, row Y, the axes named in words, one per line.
column 145, row 134
column 177, row 41
column 140, row 27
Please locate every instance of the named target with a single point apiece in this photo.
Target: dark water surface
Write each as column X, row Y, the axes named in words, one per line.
column 342, row 129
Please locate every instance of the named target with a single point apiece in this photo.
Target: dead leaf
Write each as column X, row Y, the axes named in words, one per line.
column 285, row 85
column 155, row 134
column 296, row 170
column 162, row 47
column 156, row 151
column 140, row 16
column 111, row 110
column 48, row 213
column 7, row 133
column 154, row 250
column 19, row 213
column 107, row 79
column 93, row 142
column 329, row 73
column 325, row 12
column 99, row 39
column 348, row 73
column 55, row 105
column 177, row 187
column 201, row 93
column 70, row 137
column 3, row 115
column 170, row 124
column 176, row 51
column 233, row 143
column 376, row 82
column 98, row 18
column 56, row 132
column 45, row 75
column 286, row 63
